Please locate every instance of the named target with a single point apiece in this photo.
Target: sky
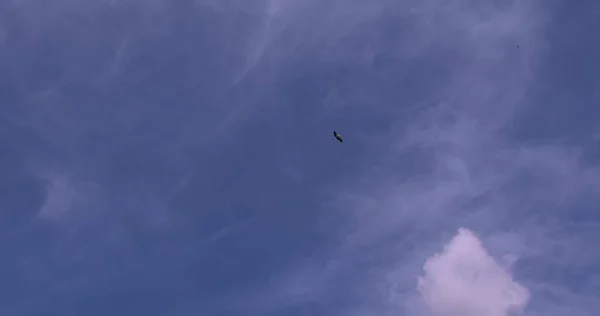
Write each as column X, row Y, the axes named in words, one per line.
column 176, row 157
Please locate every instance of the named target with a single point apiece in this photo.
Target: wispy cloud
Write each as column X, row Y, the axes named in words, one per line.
column 457, row 162
column 445, row 82
column 60, row 194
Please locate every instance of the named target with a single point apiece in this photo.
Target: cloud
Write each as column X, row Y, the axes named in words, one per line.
column 59, row 198
column 454, row 159
column 259, row 41
column 449, row 158
column 464, row 280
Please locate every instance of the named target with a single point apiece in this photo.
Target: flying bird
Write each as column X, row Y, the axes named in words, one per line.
column 338, row 136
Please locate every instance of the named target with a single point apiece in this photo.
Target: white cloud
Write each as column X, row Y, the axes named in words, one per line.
column 464, row 280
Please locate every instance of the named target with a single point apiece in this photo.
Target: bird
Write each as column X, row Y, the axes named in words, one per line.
column 338, row 136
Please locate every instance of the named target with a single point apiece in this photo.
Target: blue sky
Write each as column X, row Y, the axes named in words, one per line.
column 177, row 158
